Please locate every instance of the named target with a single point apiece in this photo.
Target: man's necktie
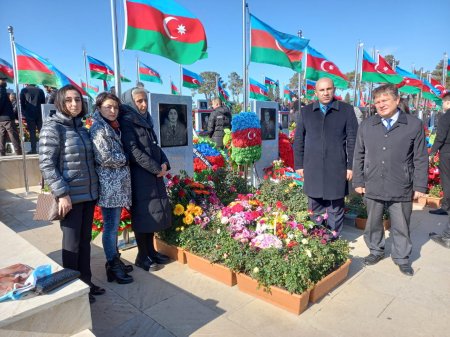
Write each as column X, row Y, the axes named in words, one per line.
column 388, row 123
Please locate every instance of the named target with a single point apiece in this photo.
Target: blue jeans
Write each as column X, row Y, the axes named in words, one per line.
column 111, row 220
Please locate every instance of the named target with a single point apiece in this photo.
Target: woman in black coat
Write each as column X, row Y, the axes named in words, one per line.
column 151, row 210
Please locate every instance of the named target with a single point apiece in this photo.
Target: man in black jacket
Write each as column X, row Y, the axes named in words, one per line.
column 323, row 153
column 219, row 120
column 391, row 169
column 31, row 99
column 7, row 123
column 442, row 144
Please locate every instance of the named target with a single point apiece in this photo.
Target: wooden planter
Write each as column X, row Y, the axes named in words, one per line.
column 434, row 202
column 422, row 201
column 281, row 298
column 329, row 282
column 175, row 253
column 360, row 223
column 215, row 271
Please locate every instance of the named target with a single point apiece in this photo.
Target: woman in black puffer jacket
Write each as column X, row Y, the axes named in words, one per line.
column 66, row 160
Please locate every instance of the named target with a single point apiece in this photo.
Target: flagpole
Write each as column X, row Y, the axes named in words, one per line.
column 115, row 48
column 85, row 68
column 170, row 79
column 355, row 81
column 244, row 53
column 19, row 109
column 181, row 80
column 137, row 69
column 300, row 79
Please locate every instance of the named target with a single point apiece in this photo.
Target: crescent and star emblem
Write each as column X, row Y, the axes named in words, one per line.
column 195, row 81
column 251, row 135
column 166, row 29
column 325, row 67
column 278, row 45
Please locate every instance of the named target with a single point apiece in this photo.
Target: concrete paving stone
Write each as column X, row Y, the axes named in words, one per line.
column 182, row 314
column 404, row 318
column 140, row 325
column 221, row 327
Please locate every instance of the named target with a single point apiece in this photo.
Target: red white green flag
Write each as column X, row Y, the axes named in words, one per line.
column 165, row 28
column 90, row 89
column 173, row 89
column 6, row 70
column 448, row 67
column 380, row 72
column 273, row 47
column 318, row 66
column 148, row 74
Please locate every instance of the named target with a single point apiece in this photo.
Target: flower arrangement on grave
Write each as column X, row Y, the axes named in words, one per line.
column 246, row 138
column 285, row 150
column 97, row 223
column 433, row 172
column 207, row 156
column 277, row 170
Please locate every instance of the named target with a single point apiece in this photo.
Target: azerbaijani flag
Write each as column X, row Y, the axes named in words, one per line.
column 223, row 94
column 448, row 67
column 258, row 91
column 270, row 83
column 318, row 66
column 191, row 79
column 100, row 70
column 411, row 83
column 65, row 80
column 271, row 46
column 430, row 92
column 174, row 89
column 380, row 72
column 34, row 69
column 124, row 79
column 6, row 70
column 90, row 89
column 310, row 86
column 288, row 93
column 440, row 89
column 148, row 74
column 165, row 28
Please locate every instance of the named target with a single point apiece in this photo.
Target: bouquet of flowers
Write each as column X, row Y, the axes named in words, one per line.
column 97, row 224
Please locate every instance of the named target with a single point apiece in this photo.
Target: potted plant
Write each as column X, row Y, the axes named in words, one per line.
column 356, row 205
column 435, row 196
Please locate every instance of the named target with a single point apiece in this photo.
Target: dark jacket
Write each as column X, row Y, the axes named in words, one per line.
column 6, row 108
column 31, row 99
column 442, row 140
column 66, row 158
column 151, row 210
column 391, row 164
column 219, row 120
column 323, row 147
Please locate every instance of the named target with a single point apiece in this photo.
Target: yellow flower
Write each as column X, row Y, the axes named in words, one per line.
column 253, row 202
column 291, row 184
column 182, row 228
column 190, row 208
column 188, row 219
column 198, row 211
column 178, row 210
column 286, row 190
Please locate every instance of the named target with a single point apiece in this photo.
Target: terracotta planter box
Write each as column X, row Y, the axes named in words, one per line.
column 329, row 282
column 360, row 223
column 215, row 271
column 175, row 253
column 434, row 202
column 281, row 298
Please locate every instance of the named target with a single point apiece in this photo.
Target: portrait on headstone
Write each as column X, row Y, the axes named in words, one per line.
column 203, row 105
column 267, row 123
column 205, row 119
column 284, row 121
column 172, row 119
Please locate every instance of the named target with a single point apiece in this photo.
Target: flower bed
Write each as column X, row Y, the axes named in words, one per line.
column 97, row 225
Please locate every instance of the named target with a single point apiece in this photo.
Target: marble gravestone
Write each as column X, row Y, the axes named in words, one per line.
column 46, row 109
column 202, row 115
column 172, row 117
column 284, row 121
column 267, row 113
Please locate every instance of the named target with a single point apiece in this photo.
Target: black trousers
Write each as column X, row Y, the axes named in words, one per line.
column 334, row 210
column 444, row 170
column 34, row 124
column 9, row 127
column 145, row 244
column 76, row 243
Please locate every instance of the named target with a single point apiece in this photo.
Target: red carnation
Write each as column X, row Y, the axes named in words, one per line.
column 181, row 193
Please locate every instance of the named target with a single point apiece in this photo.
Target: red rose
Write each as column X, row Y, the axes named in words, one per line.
column 181, row 193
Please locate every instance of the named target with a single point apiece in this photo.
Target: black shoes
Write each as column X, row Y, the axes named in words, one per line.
column 372, row 259
column 147, row 264
column 406, row 269
column 127, row 268
column 95, row 290
column 438, row 211
column 439, row 239
column 115, row 272
column 160, row 258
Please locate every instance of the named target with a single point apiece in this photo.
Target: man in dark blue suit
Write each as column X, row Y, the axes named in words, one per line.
column 323, row 153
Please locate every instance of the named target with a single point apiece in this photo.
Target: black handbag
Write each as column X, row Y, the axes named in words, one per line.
column 47, row 207
column 50, row 282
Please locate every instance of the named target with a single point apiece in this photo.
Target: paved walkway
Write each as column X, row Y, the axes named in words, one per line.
column 176, row 301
